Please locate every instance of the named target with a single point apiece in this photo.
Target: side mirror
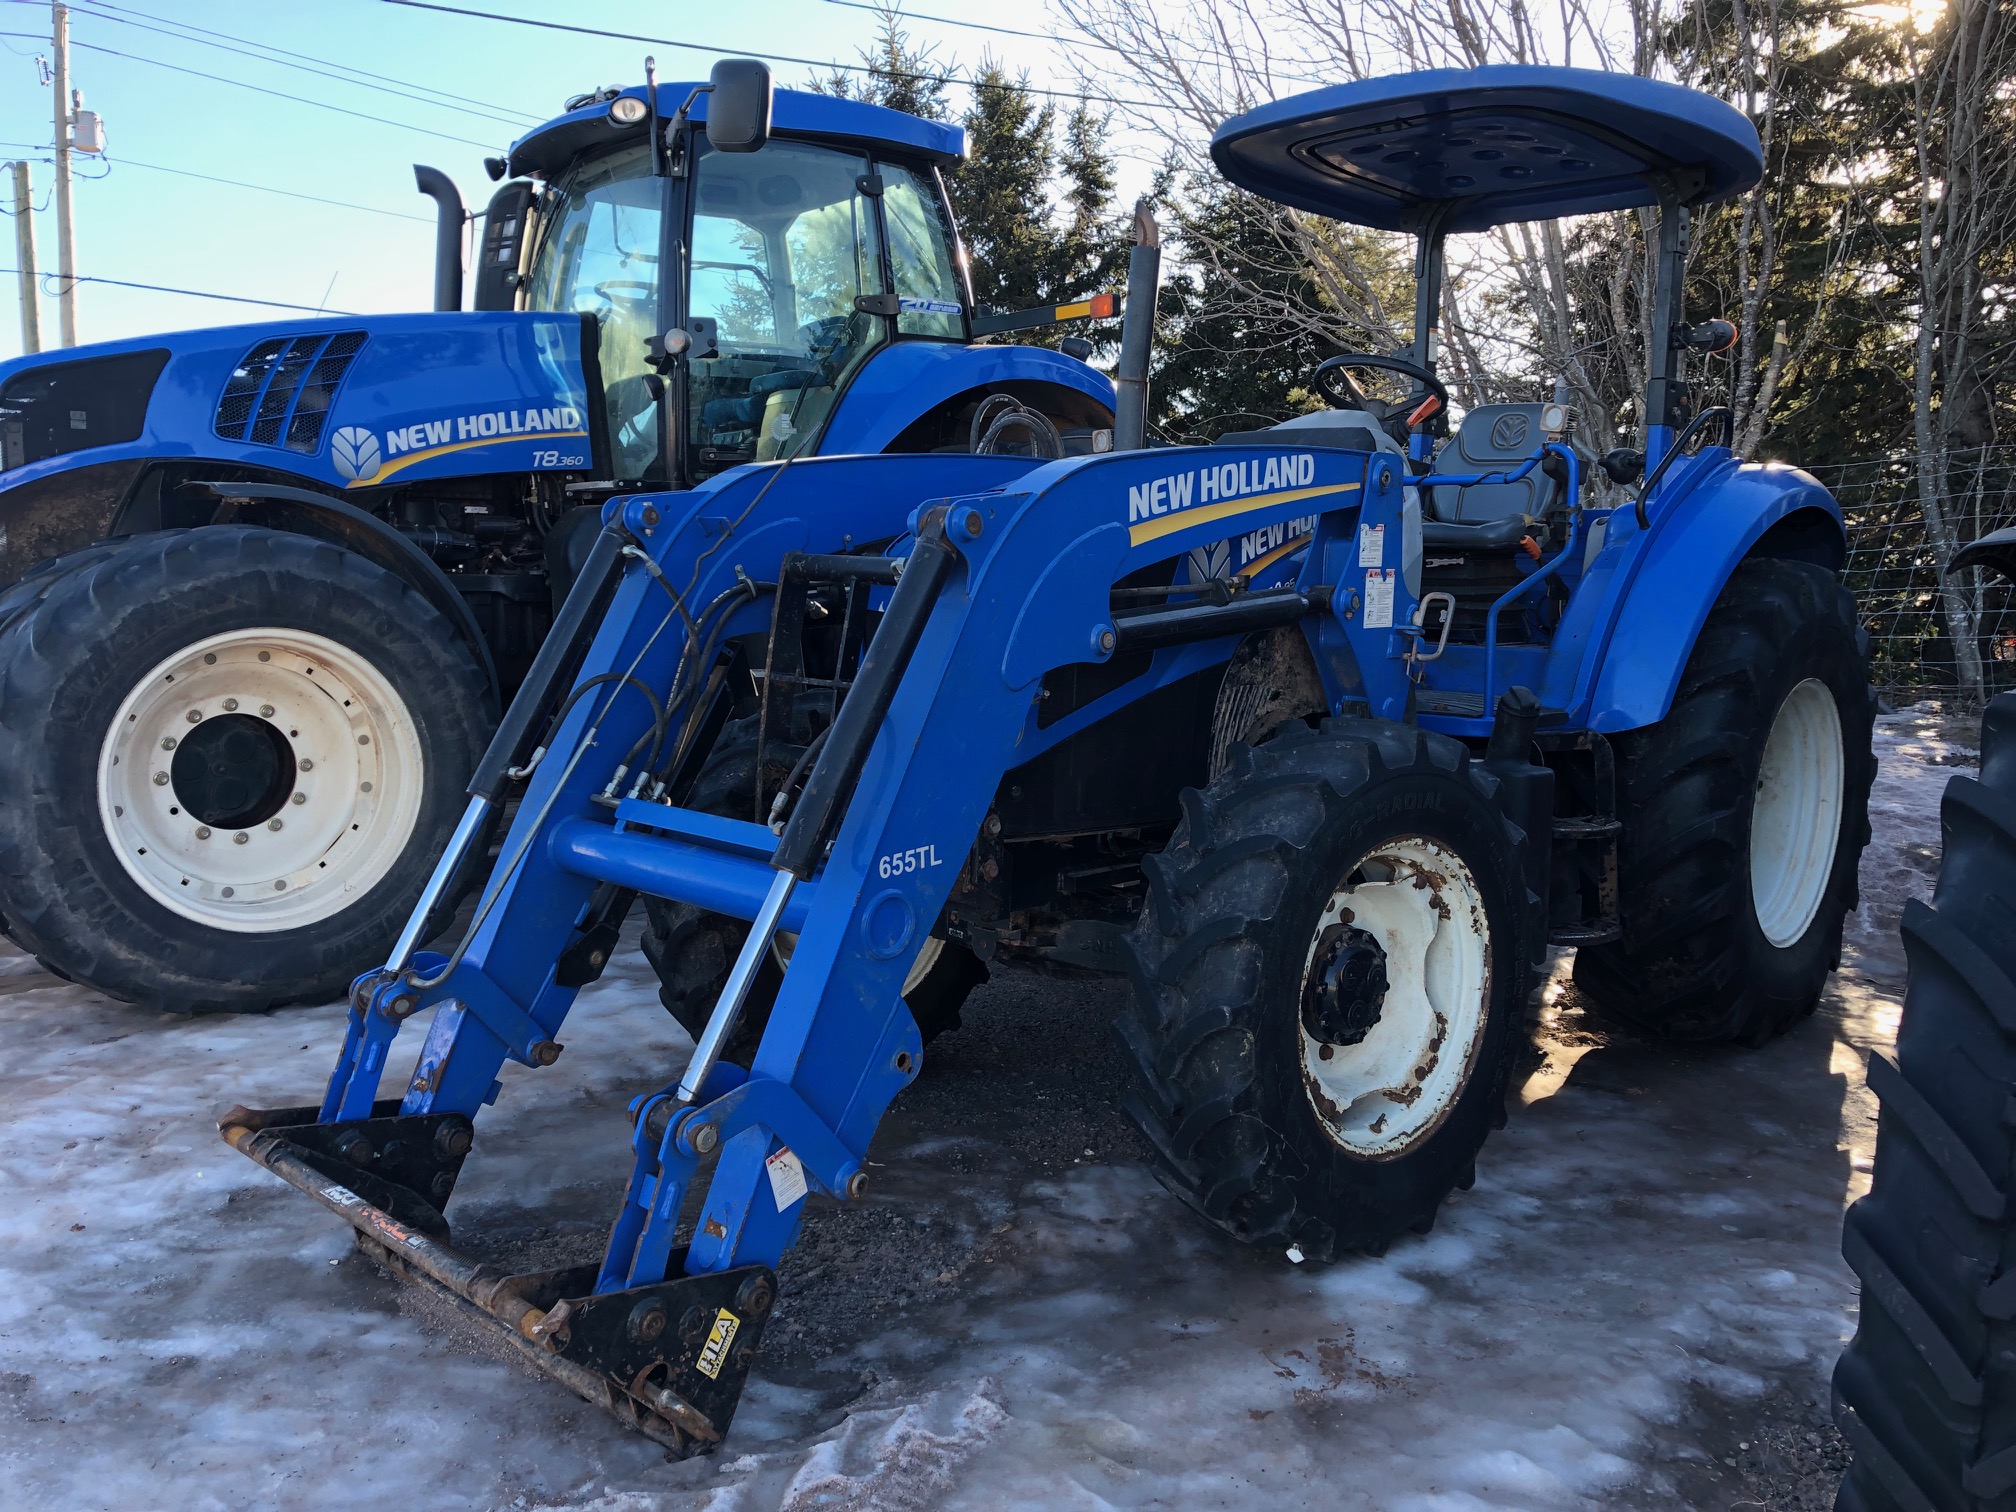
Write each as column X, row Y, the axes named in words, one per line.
column 738, row 110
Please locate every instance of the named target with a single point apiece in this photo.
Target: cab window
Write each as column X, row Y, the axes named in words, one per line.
column 921, row 256
column 784, row 249
column 598, row 255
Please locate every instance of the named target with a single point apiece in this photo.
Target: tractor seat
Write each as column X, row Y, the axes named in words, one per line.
column 1487, row 516
column 743, row 411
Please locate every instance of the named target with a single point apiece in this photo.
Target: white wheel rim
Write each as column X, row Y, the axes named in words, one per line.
column 343, row 780
column 1795, row 820
column 1383, row 1096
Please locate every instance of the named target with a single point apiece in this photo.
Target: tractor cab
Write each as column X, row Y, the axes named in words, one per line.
column 738, row 284
column 1447, row 152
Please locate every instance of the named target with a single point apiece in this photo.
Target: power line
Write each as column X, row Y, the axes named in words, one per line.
column 261, row 89
column 1066, row 42
column 120, row 283
column 710, row 47
column 318, row 199
column 239, row 184
column 405, row 90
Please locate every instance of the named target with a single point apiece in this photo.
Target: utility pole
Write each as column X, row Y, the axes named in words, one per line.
column 66, row 230
column 24, row 258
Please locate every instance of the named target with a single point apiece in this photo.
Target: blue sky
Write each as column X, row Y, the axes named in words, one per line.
column 140, row 222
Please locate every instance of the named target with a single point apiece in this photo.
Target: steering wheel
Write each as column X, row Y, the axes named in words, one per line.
column 630, row 291
column 1332, row 380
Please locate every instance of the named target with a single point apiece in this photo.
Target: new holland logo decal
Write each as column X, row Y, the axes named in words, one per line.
column 1178, row 501
column 361, row 458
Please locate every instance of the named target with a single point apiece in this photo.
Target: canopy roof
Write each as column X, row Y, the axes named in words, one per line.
column 1510, row 142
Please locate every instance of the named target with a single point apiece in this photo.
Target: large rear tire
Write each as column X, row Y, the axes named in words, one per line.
column 1290, row 1098
column 1745, row 811
column 1926, row 1392
column 228, row 758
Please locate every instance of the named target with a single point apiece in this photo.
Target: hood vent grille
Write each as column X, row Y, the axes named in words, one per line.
column 281, row 391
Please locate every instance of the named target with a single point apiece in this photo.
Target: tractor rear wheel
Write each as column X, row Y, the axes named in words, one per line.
column 228, row 758
column 691, row 949
column 1925, row 1393
column 1744, row 812
column 1330, row 986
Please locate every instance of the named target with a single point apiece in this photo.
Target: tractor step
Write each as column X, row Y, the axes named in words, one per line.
column 668, row 1359
column 1460, row 705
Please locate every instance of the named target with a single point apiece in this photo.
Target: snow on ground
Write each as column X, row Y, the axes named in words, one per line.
column 1016, row 1316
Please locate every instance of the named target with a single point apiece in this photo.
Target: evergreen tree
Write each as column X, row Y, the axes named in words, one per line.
column 1002, row 192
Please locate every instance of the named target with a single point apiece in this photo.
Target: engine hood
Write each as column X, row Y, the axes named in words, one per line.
column 350, row 402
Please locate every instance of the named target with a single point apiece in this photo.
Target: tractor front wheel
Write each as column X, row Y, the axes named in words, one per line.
column 1330, row 986
column 1745, row 811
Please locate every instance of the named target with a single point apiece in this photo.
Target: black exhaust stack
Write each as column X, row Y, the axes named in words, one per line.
column 447, row 234
column 1137, row 332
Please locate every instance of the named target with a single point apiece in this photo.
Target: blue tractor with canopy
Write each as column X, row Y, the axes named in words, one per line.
column 1323, row 735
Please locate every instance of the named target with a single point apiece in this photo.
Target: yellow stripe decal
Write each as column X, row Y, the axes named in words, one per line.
column 386, row 469
column 1153, row 530
column 1073, row 311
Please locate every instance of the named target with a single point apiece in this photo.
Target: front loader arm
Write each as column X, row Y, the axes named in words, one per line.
column 1014, row 584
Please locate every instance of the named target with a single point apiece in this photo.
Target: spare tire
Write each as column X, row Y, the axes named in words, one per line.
column 228, row 759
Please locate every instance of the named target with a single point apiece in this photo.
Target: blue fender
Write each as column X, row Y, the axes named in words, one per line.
column 902, row 382
column 1722, row 514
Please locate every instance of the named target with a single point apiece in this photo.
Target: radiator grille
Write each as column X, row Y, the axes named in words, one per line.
column 281, row 391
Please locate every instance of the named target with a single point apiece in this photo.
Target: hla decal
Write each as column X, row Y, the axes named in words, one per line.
column 491, row 423
column 1234, row 480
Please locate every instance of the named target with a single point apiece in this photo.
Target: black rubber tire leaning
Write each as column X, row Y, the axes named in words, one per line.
column 66, row 667
column 1693, row 963
column 1926, row 1392
column 692, row 949
column 1218, row 957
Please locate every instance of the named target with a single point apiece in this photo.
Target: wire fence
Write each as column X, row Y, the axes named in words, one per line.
column 1894, row 567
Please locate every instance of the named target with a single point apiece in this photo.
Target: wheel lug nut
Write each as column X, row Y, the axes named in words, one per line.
column 307, row 765
column 265, row 656
column 300, row 798
column 167, row 742
column 202, row 832
column 363, row 740
column 240, row 838
column 160, row 779
column 228, row 892
column 195, row 716
column 272, row 824
column 209, row 658
column 366, row 786
column 265, row 711
column 230, row 704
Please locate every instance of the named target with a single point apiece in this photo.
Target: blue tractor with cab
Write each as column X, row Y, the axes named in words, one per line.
column 1322, row 734
column 267, row 589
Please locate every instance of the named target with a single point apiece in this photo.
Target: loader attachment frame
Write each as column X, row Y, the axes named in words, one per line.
column 992, row 589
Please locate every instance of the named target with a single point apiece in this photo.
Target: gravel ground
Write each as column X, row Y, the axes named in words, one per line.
column 1636, row 1307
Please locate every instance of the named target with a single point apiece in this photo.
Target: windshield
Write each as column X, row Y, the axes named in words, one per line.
column 785, row 256
column 791, row 255
column 599, row 256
